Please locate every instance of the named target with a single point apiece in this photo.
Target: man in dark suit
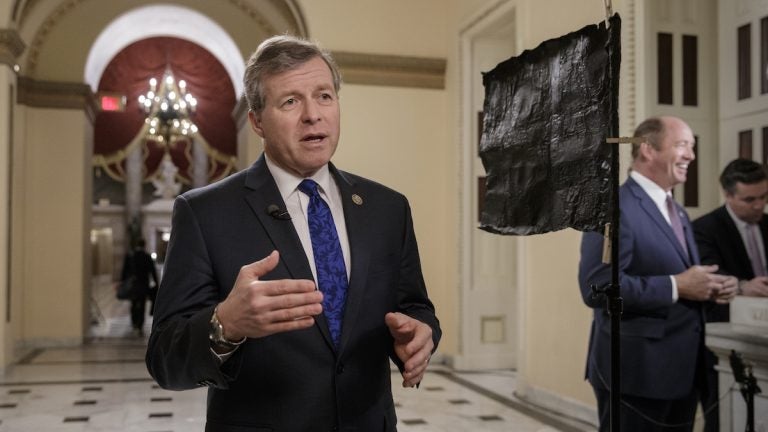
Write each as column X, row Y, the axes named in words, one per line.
column 663, row 288
column 238, row 309
column 734, row 237
column 139, row 267
column 724, row 237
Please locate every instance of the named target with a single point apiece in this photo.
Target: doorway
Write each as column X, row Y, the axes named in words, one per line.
column 490, row 270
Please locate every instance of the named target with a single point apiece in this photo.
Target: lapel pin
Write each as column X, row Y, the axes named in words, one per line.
column 356, row 199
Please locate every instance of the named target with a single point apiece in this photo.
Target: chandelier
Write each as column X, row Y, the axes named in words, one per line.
column 168, row 107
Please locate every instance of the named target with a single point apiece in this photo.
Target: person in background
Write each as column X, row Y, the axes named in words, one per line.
column 733, row 237
column 141, row 267
column 289, row 286
column 663, row 286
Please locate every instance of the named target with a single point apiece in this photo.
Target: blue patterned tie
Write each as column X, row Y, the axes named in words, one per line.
column 329, row 260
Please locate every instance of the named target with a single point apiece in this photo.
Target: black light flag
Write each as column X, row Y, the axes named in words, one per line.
column 547, row 114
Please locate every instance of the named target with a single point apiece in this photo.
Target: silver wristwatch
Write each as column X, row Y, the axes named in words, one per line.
column 216, row 334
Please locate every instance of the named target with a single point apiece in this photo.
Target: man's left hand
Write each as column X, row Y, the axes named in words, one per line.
column 413, row 345
column 727, row 291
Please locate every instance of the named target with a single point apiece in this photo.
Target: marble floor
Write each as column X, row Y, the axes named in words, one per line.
column 103, row 386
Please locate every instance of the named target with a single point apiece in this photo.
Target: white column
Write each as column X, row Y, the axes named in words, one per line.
column 133, row 179
column 199, row 164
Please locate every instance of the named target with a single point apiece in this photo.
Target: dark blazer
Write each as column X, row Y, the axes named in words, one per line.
column 660, row 339
column 292, row 381
column 140, row 265
column 720, row 243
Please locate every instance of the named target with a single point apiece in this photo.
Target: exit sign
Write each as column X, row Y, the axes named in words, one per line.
column 111, row 101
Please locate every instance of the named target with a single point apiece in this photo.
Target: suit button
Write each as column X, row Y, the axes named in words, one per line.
column 340, row 369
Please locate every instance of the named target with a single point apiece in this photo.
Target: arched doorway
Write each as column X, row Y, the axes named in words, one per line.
column 130, row 167
column 54, row 118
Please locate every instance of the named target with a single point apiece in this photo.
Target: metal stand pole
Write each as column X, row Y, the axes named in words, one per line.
column 614, row 300
column 742, row 373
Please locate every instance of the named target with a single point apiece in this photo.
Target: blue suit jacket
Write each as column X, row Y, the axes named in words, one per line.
column 293, row 381
column 661, row 340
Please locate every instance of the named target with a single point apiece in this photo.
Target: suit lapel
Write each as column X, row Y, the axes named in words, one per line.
column 693, row 250
column 354, row 217
column 763, row 224
column 262, row 193
column 732, row 237
column 764, row 229
column 648, row 206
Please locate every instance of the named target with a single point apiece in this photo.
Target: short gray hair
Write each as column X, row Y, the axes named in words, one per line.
column 652, row 130
column 279, row 54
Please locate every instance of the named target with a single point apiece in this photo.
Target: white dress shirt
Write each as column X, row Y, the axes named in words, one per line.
column 296, row 203
column 659, row 197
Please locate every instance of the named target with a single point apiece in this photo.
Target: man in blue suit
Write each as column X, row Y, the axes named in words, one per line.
column 663, row 288
column 238, row 308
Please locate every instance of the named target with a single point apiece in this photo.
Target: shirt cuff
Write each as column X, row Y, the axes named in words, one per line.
column 223, row 357
column 674, row 289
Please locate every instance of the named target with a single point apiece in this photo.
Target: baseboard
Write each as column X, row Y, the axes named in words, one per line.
column 558, row 404
column 481, row 361
column 24, row 348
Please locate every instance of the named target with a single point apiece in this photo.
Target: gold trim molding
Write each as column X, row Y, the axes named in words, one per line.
column 63, row 9
column 59, row 95
column 390, row 70
column 11, row 46
column 42, row 32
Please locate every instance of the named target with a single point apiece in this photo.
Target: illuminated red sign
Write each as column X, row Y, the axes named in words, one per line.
column 112, row 101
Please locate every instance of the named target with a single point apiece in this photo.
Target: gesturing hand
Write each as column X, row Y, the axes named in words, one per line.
column 728, row 291
column 256, row 308
column 700, row 283
column 413, row 345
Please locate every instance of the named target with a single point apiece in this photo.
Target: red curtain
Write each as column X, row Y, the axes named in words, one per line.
column 207, row 80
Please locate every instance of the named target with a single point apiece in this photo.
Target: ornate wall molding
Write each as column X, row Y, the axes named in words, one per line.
column 42, row 32
column 58, row 95
column 294, row 10
column 374, row 69
column 11, row 46
column 390, row 70
column 254, row 14
column 53, row 19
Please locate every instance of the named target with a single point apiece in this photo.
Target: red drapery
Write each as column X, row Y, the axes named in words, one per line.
column 129, row 73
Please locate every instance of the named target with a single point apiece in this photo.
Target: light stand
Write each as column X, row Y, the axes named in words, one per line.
column 742, row 373
column 613, row 301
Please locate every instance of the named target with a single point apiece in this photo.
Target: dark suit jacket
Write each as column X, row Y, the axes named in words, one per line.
column 660, row 339
column 292, row 381
column 140, row 265
column 720, row 243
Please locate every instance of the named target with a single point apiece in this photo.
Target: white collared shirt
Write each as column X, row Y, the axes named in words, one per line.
column 659, row 197
column 657, row 194
column 296, row 203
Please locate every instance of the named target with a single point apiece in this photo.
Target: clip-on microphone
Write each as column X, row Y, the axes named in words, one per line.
column 275, row 211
